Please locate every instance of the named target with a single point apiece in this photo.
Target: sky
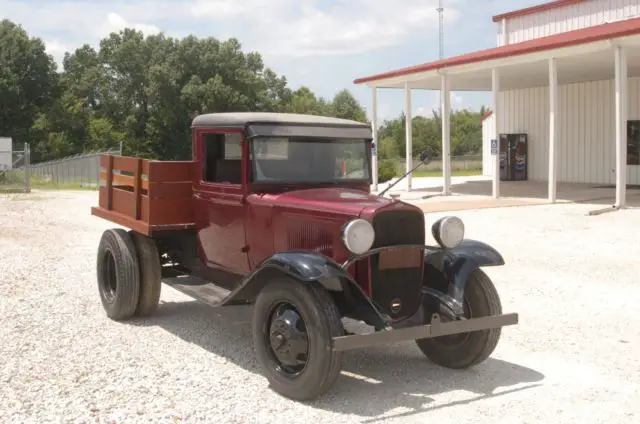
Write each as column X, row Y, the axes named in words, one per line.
column 322, row 44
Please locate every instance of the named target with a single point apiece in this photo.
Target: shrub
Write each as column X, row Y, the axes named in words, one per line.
column 386, row 170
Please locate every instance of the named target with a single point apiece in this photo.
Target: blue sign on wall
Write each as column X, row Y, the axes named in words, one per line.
column 494, row 146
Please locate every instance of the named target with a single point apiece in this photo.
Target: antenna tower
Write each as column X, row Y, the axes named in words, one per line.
column 440, row 10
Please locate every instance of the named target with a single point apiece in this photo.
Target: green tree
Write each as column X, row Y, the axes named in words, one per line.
column 141, row 91
column 28, row 82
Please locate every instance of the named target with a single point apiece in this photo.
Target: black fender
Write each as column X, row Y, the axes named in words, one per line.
column 446, row 271
column 309, row 267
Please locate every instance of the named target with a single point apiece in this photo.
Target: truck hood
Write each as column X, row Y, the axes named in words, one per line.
column 340, row 200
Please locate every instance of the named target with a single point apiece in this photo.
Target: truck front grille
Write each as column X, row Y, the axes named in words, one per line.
column 396, row 284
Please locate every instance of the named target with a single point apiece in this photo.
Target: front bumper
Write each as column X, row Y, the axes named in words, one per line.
column 435, row 329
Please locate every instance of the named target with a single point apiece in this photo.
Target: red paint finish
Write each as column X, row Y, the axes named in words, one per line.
column 535, row 9
column 565, row 39
column 241, row 225
column 220, row 212
column 308, row 219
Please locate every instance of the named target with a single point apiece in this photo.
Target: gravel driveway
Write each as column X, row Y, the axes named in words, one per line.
column 574, row 357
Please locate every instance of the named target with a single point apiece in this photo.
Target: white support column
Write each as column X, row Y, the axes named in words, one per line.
column 497, row 114
column 374, row 130
column 553, row 133
column 445, row 108
column 621, row 125
column 408, row 132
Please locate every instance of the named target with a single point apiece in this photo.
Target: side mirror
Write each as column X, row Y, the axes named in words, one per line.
column 424, row 157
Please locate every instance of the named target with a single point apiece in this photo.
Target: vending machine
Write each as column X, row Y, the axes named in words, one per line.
column 513, row 157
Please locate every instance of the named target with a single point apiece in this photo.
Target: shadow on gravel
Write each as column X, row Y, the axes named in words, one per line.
column 399, row 374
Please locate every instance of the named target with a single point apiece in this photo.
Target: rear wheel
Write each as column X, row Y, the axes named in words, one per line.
column 118, row 274
column 150, row 274
column 293, row 326
column 467, row 349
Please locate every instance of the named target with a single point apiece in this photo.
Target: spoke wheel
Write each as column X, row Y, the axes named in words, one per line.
column 294, row 323
column 288, row 339
column 465, row 350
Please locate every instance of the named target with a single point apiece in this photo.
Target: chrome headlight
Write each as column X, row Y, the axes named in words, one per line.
column 448, row 231
column 358, row 235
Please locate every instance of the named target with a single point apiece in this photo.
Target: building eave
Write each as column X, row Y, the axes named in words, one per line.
column 535, row 9
column 607, row 31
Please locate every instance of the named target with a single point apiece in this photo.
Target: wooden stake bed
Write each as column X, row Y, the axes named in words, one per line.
column 146, row 195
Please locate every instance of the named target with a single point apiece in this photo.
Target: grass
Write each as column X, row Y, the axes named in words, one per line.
column 454, row 173
column 62, row 186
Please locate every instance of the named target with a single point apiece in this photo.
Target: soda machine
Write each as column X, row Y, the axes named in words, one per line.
column 513, row 157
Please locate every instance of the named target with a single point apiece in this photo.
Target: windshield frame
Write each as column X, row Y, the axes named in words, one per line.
column 315, row 139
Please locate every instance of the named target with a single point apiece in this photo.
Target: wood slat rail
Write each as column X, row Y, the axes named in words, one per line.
column 146, row 195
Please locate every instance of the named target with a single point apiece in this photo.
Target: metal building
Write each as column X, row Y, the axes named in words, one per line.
column 566, row 74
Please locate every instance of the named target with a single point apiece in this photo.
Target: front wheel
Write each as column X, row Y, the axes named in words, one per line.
column 293, row 326
column 467, row 349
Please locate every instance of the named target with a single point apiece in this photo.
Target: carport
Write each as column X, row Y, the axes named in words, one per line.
column 546, row 67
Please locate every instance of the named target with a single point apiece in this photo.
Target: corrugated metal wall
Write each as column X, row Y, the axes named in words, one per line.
column 586, row 134
column 569, row 18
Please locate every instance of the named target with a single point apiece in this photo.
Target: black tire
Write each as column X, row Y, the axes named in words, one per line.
column 150, row 274
column 467, row 349
column 321, row 316
column 118, row 274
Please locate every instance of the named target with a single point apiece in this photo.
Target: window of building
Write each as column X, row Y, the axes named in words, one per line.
column 222, row 158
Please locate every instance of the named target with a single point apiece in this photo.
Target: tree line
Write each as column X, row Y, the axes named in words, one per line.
column 143, row 91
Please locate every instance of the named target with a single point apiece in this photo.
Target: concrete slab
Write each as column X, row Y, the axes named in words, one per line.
column 475, row 193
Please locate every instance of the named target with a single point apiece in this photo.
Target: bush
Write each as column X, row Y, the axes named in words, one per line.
column 386, row 170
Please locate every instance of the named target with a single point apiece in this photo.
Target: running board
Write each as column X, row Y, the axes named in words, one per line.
column 199, row 289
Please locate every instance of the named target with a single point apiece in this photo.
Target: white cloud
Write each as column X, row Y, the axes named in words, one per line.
column 55, row 49
column 115, row 23
column 291, row 28
column 311, row 27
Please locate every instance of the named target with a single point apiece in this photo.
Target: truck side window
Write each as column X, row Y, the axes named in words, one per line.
column 222, row 158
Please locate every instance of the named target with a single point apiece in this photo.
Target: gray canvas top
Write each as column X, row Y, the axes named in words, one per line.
column 240, row 119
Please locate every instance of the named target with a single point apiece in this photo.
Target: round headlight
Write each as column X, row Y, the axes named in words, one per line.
column 448, row 231
column 358, row 236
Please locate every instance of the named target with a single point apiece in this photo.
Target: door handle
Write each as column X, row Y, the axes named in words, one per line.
column 197, row 196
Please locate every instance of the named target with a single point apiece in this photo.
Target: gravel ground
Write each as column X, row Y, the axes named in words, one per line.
column 574, row 357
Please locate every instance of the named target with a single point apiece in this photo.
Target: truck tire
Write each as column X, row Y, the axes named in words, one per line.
column 118, row 274
column 297, row 320
column 150, row 274
column 465, row 350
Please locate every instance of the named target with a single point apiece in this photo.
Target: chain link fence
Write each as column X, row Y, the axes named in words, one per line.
column 14, row 170
column 466, row 163
column 77, row 171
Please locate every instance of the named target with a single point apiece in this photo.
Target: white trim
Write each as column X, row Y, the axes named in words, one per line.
column 495, row 89
column 374, row 131
column 519, row 59
column 408, row 133
column 621, row 125
column 445, row 97
column 505, row 34
column 553, row 132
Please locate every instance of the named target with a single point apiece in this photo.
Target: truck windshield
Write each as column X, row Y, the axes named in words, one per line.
column 312, row 160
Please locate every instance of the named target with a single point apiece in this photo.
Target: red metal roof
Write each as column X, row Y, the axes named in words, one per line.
column 535, row 9
column 486, row 116
column 565, row 39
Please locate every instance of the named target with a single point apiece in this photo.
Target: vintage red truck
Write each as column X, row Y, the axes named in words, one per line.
column 275, row 210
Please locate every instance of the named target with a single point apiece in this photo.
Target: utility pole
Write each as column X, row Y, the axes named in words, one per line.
column 440, row 10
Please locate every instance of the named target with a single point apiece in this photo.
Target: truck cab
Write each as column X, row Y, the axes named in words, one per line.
column 275, row 210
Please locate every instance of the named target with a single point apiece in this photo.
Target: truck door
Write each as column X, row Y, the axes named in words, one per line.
column 218, row 195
